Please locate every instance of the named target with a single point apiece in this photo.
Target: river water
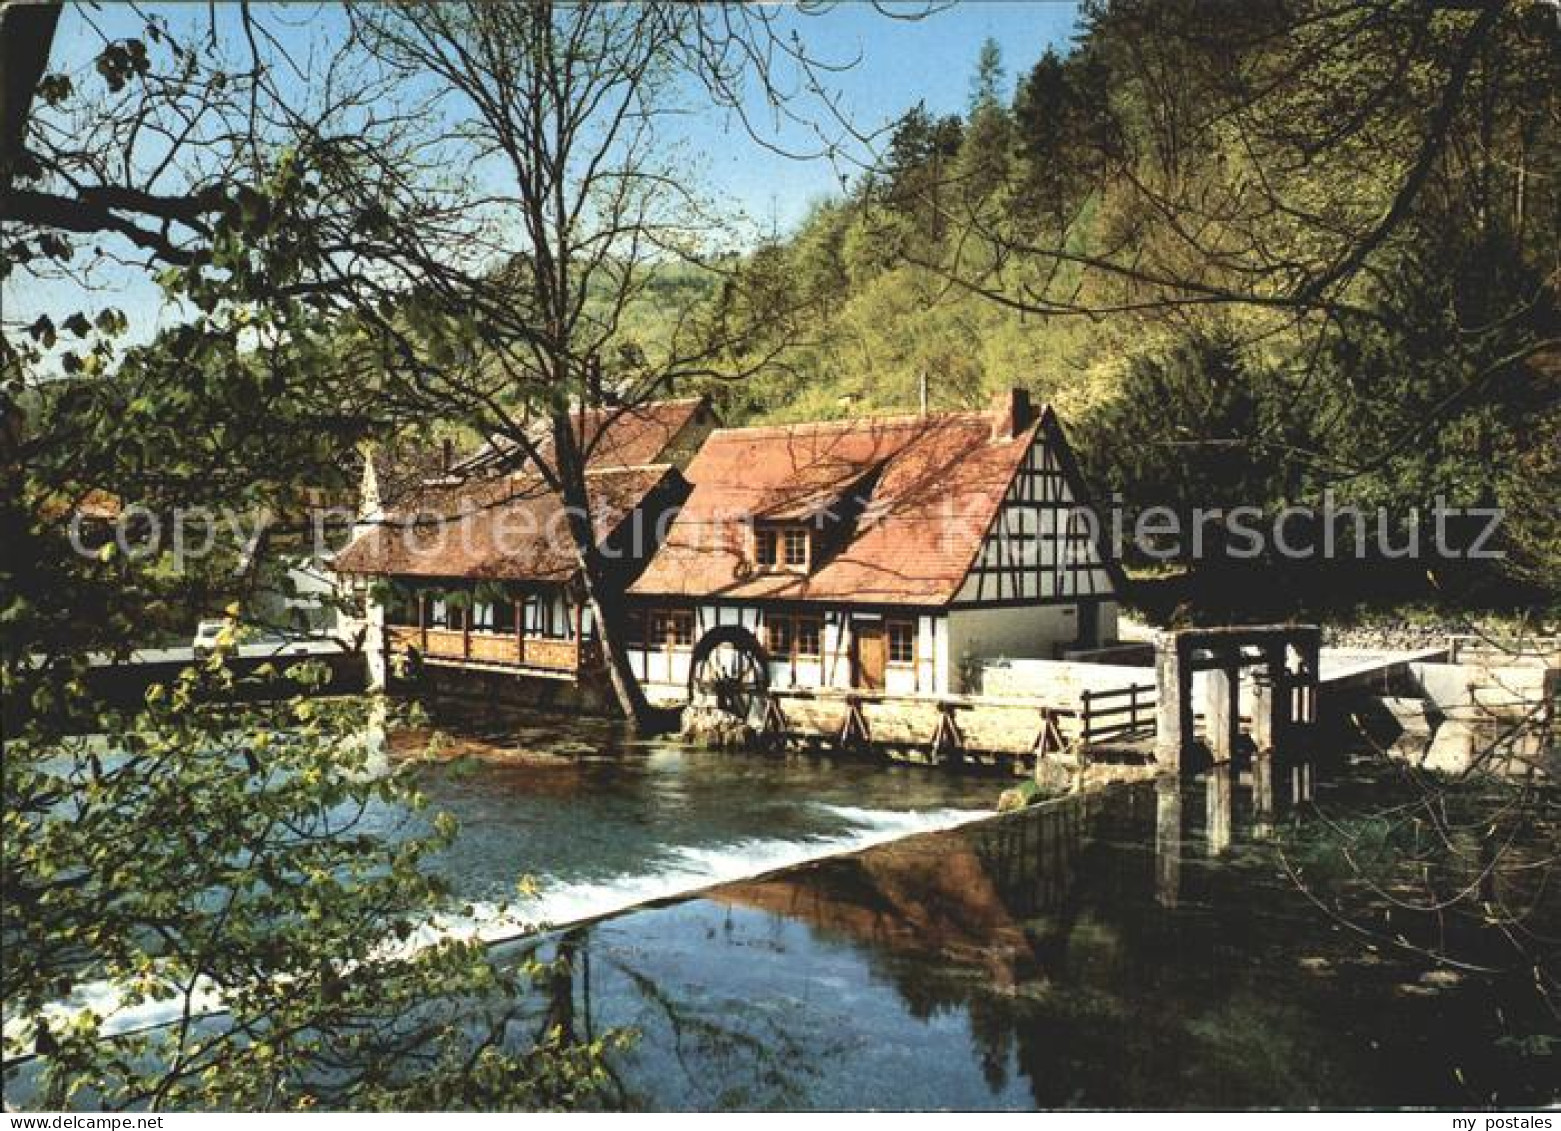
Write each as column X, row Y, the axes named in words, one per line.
column 1221, row 942
column 796, row 932
column 594, row 822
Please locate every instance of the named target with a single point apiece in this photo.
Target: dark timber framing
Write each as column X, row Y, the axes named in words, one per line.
column 1051, row 490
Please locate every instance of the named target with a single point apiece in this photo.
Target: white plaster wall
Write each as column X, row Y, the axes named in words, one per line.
column 1501, row 691
column 1023, row 536
column 374, row 644
column 663, row 673
column 942, row 661
column 370, row 627
column 563, row 621
column 665, row 676
column 1021, row 631
column 1058, row 680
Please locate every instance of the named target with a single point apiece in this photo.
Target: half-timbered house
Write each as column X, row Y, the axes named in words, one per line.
column 880, row 554
column 473, row 566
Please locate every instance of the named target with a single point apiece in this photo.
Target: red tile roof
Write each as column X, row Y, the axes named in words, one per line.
column 503, row 527
column 95, row 505
column 623, row 436
column 479, row 521
column 401, row 468
column 934, row 484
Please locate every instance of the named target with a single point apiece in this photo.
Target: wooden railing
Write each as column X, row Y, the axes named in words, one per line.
column 1467, row 648
column 1117, row 712
column 500, row 649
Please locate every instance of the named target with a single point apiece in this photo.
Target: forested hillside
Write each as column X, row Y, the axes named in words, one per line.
column 1251, row 252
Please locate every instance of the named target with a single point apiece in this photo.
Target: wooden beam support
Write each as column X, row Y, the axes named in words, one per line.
column 1050, row 740
column 948, row 747
column 1217, row 800
column 1262, row 795
column 774, row 728
column 1271, row 700
column 1222, row 709
column 854, row 732
column 1173, row 697
column 1168, row 841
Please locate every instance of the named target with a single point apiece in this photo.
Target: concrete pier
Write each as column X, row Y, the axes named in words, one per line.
column 1286, row 659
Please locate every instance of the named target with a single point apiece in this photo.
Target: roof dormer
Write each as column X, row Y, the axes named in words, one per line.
column 781, row 546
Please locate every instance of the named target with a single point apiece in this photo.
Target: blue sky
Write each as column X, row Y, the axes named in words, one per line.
column 900, row 62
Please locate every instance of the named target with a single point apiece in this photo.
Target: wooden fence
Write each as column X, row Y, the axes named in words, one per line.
column 1471, row 649
column 1121, row 712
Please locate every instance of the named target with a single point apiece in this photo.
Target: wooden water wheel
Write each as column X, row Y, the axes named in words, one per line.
column 729, row 672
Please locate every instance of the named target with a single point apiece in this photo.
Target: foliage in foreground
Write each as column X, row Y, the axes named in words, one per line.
column 1456, row 871
column 247, row 890
column 193, row 853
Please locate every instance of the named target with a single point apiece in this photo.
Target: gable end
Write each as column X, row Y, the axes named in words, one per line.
column 1043, row 546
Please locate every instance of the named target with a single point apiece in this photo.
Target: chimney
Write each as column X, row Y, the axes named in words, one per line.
column 1012, row 413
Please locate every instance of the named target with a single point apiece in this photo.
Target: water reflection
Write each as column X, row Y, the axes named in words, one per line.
column 1137, row 949
column 1168, row 841
column 602, row 822
column 1217, row 797
column 1262, row 797
column 1301, row 782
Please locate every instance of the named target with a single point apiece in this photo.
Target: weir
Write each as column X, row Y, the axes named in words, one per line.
column 527, row 819
column 1284, row 691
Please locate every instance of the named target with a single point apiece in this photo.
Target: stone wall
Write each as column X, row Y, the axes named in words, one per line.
column 1414, row 636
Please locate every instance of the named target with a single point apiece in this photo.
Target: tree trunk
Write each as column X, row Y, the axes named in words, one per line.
column 26, row 35
column 606, row 603
column 559, row 1018
column 607, row 607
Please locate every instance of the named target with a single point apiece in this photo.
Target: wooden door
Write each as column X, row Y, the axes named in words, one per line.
column 871, row 655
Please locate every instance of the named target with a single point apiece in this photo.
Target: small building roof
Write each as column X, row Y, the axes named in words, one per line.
column 501, row 527
column 401, row 468
column 610, row 436
column 94, row 507
column 477, row 518
column 927, row 490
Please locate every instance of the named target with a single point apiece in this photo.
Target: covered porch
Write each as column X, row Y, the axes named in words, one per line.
column 527, row 629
